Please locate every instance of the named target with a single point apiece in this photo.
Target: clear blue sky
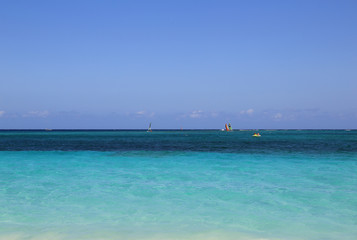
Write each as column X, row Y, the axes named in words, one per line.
column 190, row 64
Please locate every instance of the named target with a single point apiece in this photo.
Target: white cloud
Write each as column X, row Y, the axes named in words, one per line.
column 144, row 114
column 247, row 112
column 196, row 114
column 214, row 114
column 41, row 114
column 278, row 116
column 250, row 111
column 2, row 113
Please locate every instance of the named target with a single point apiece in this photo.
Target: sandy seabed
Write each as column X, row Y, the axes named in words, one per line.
column 213, row 235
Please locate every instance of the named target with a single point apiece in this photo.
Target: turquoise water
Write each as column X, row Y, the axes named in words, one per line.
column 178, row 185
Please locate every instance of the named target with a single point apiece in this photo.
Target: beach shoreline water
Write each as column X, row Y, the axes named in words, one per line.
column 296, row 185
column 111, row 235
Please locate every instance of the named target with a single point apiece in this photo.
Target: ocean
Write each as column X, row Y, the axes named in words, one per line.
column 211, row 185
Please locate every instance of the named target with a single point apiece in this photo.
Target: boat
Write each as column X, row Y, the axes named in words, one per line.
column 228, row 127
column 149, row 129
column 256, row 135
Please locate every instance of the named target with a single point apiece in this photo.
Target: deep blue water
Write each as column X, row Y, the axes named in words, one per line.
column 304, row 141
column 178, row 185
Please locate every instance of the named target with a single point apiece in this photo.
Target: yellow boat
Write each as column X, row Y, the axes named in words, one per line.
column 256, row 135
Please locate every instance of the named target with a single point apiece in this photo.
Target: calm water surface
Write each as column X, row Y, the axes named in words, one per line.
column 178, row 185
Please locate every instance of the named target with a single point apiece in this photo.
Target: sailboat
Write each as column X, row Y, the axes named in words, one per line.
column 228, row 127
column 149, row 130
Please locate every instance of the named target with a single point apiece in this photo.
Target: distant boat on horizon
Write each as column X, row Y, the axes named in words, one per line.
column 149, row 129
column 228, row 127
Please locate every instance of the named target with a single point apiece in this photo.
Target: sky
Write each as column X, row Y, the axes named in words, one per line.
column 178, row 64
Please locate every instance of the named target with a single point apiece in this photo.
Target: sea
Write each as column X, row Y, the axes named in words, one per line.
column 196, row 185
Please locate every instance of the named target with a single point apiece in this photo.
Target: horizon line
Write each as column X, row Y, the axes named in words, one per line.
column 166, row 129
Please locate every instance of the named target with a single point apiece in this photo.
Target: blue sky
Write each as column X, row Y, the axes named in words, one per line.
column 190, row 64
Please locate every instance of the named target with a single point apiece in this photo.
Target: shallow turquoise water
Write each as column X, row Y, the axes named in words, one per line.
column 179, row 194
